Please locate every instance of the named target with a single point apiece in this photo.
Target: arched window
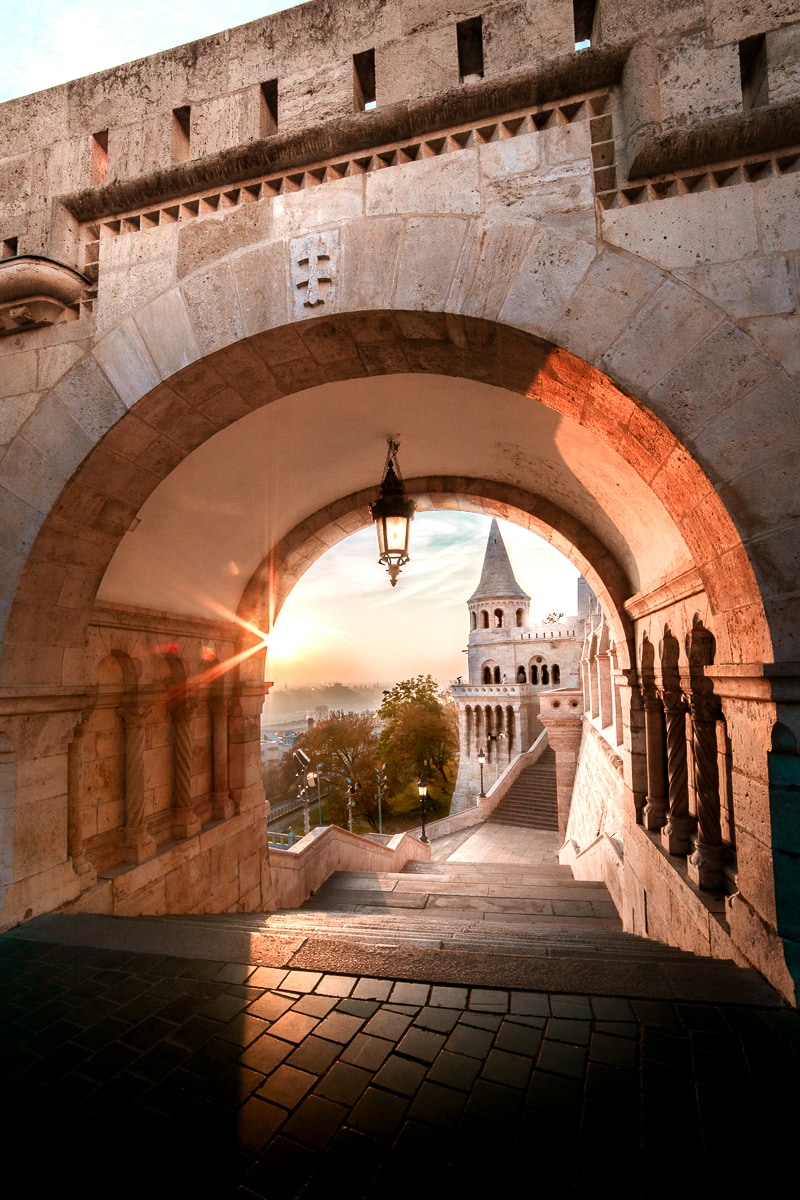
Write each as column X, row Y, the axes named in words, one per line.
column 487, row 674
column 485, row 619
column 473, row 621
column 498, row 618
column 556, row 673
column 521, row 677
column 545, row 675
column 519, row 618
column 497, row 674
column 534, row 674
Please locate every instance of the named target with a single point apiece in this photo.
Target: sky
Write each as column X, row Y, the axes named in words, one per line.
column 343, row 621
column 47, row 42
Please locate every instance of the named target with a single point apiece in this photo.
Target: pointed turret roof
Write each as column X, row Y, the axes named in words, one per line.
column 497, row 578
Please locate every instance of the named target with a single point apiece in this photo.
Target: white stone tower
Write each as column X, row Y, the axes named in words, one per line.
column 509, row 663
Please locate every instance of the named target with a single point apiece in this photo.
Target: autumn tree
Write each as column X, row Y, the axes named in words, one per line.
column 345, row 748
column 420, row 730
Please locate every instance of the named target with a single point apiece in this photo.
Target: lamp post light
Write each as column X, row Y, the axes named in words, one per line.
column 481, row 761
column 380, row 779
column 392, row 513
column 351, row 803
column 304, row 762
column 422, row 788
column 314, row 778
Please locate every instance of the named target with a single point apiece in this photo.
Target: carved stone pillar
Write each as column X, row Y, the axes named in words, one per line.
column 185, row 821
column 75, row 847
column 655, row 809
column 137, row 843
column 676, row 834
column 221, row 799
column 706, row 864
column 561, row 716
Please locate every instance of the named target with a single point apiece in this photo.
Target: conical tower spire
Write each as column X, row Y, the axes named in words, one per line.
column 497, row 578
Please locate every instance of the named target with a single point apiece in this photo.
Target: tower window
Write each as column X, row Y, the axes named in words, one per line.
column 534, row 674
column 498, row 618
column 487, row 674
column 364, row 94
column 268, row 114
column 583, row 14
column 521, row 675
column 470, row 49
column 99, row 168
column 181, row 133
column 519, row 617
column 497, row 674
column 545, row 675
column 484, row 619
column 556, row 673
column 753, row 72
column 473, row 621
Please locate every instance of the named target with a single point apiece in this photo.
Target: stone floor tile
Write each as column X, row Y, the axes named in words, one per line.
column 243, row 1030
column 315, row 1122
column 358, row 1008
column 314, row 1054
column 560, row 1097
column 611, row 1008
column 563, row 1029
column 519, row 1039
column 513, row 1070
column 339, row 1027
column 239, row 972
column 266, row 1053
column 613, row 1051
column 286, row 1086
column 448, row 997
column 486, row 1000
column 442, row 1020
column 344, row 1083
column 372, row 989
column 193, row 1033
column 437, row 1105
column 482, row 1020
column 618, row 1029
column 347, row 1167
column 256, row 1122
column 293, row 1026
column 562, row 1059
column 468, row 1040
column 492, row 1102
column 572, row 1007
column 379, row 1113
column 314, row 1006
column 530, row 1004
column 422, row 1044
column 336, row 985
column 223, row 1008
column 387, row 1024
column 455, row 1070
column 267, row 977
column 367, row 1052
column 300, row 981
column 401, row 1075
column 270, row 1006
column 282, row 1169
column 410, row 993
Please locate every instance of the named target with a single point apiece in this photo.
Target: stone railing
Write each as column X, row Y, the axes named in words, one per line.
column 297, row 872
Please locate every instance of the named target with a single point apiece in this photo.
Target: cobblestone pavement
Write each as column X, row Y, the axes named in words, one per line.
column 133, row 1074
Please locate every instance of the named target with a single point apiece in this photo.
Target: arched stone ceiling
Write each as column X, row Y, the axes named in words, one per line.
column 205, row 529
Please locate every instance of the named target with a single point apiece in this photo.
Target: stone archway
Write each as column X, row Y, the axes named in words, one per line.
column 166, row 380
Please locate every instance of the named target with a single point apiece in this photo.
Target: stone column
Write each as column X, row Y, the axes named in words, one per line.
column 676, row 834
column 655, row 809
column 75, row 847
column 706, row 864
column 561, row 716
column 221, row 799
column 185, row 821
column 137, row 843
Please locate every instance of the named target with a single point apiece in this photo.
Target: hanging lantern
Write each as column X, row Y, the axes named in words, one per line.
column 392, row 513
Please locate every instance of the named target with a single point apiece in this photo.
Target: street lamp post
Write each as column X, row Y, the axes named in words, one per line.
column 481, row 761
column 422, row 788
column 314, row 778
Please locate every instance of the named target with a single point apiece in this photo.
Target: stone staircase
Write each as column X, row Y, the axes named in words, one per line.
column 530, row 802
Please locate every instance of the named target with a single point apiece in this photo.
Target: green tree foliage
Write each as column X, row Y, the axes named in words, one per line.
column 345, row 747
column 420, row 729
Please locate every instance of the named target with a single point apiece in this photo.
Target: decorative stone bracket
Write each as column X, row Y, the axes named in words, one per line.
column 36, row 291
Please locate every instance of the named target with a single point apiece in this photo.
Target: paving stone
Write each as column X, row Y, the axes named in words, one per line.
column 421, row 1044
column 358, row 1008
column 293, row 1026
column 270, row 1006
column 448, row 997
column 315, row 1122
column 614, row 1051
column 410, row 993
column 256, row 1123
column 467, row 1040
column 269, row 977
column 437, row 1105
column 336, row 985
column 367, row 1052
column 286, row 1086
column 301, row 981
column 520, row 1039
column 439, row 1019
column 513, row 1070
column 344, row 1083
column 339, row 1027
column 314, row 1006
column 243, row 1029
column 532, row 1004
column 562, row 1059
column 387, row 1024
column 571, row 1007
column 484, row 1000
column 314, row 1054
column 282, row 1169
column 239, row 972
column 611, row 1008
column 266, row 1053
column 400, row 1075
column 553, row 1094
column 576, row 1033
column 379, row 1113
column 480, row 1020
column 455, row 1070
column 372, row 989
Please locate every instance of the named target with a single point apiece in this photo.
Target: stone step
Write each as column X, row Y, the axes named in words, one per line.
column 530, row 802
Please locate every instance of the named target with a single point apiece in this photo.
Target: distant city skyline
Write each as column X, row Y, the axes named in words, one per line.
column 344, row 623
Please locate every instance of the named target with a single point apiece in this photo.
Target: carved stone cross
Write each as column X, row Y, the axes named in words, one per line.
column 314, row 269
column 317, row 269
